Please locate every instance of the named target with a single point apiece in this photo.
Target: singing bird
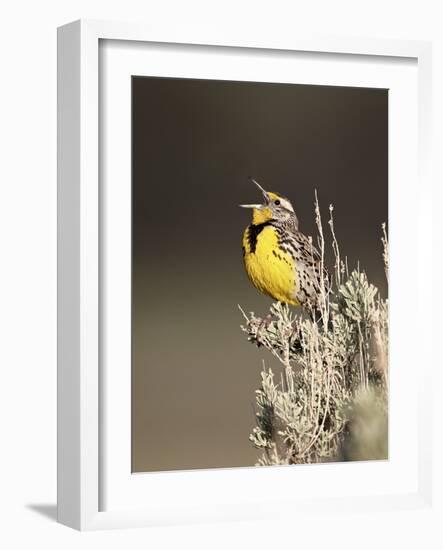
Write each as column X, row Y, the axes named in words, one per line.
column 280, row 260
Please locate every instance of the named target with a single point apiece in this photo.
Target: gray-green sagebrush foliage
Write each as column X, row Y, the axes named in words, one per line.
column 330, row 399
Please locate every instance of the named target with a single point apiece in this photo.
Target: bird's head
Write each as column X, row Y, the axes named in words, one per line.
column 275, row 208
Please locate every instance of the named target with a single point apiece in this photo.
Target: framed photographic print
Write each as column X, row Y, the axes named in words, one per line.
column 235, row 232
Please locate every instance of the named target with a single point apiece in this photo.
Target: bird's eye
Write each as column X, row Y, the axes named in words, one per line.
column 277, row 202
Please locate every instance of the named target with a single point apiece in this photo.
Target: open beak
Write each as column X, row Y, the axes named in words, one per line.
column 265, row 196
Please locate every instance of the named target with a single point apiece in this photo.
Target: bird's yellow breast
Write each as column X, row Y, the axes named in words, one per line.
column 270, row 269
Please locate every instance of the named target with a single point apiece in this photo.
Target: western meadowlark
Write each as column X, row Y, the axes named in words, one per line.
column 279, row 260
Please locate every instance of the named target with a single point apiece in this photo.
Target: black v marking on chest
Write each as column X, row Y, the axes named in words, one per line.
column 253, row 233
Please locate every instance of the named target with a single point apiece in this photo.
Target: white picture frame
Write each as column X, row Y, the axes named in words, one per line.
column 82, row 466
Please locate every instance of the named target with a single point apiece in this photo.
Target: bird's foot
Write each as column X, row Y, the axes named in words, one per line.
column 265, row 322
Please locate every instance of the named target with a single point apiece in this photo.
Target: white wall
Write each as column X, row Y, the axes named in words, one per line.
column 28, row 267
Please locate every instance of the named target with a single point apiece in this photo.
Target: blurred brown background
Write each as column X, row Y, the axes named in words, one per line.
column 195, row 142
